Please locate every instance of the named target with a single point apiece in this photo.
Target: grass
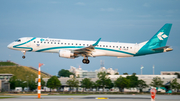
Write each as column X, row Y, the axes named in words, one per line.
column 21, row 72
column 7, row 64
column 6, row 97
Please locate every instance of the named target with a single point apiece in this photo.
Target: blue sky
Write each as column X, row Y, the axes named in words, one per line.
column 131, row 21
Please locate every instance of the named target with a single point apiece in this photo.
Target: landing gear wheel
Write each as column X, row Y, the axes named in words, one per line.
column 24, row 52
column 23, row 57
column 85, row 61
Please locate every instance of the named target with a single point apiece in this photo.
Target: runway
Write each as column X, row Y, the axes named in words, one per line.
column 95, row 98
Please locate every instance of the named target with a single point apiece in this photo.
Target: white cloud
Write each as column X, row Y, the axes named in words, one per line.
column 80, row 3
column 54, row 2
column 119, row 9
column 169, row 15
column 172, row 11
column 146, row 5
column 107, row 9
column 110, row 9
column 145, row 16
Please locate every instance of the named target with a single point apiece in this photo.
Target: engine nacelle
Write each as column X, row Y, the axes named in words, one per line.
column 66, row 54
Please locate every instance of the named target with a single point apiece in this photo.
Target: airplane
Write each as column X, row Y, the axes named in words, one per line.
column 67, row 48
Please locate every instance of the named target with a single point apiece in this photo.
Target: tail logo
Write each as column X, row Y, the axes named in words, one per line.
column 161, row 36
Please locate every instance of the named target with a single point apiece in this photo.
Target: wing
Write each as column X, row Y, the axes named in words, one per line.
column 87, row 50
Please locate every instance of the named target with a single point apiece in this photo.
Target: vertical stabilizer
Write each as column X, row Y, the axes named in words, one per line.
column 160, row 38
column 157, row 43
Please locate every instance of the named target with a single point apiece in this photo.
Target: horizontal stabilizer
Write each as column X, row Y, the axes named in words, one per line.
column 160, row 48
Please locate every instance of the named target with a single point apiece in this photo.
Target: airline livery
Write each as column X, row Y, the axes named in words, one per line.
column 74, row 48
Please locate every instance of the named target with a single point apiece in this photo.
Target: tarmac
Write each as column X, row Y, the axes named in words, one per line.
column 94, row 98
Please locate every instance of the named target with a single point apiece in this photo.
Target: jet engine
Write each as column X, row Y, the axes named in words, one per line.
column 66, row 54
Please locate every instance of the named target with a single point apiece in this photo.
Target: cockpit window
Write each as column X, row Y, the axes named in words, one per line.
column 18, row 40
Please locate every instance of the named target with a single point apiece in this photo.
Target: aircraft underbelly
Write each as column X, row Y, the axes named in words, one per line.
column 111, row 53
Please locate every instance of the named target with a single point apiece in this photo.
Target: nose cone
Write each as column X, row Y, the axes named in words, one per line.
column 10, row 46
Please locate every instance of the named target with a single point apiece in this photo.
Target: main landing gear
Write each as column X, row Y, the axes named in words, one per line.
column 24, row 52
column 86, row 60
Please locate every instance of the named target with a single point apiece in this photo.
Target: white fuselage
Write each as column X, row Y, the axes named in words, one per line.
column 51, row 45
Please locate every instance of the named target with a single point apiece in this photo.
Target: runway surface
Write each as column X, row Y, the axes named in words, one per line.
column 95, row 98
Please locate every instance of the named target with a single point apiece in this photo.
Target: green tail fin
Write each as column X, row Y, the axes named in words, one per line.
column 157, row 43
column 160, row 38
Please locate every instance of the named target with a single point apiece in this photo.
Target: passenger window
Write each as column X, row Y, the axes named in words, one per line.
column 76, row 44
column 103, row 45
column 64, row 43
column 61, row 43
column 54, row 42
column 68, row 43
column 37, row 41
column 48, row 42
column 72, row 43
column 44, row 42
column 79, row 44
column 34, row 41
column 51, row 42
column 116, row 46
column 83, row 44
column 113, row 46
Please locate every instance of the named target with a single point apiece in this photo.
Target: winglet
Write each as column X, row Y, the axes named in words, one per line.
column 95, row 44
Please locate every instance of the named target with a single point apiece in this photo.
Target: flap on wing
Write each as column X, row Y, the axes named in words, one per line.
column 88, row 49
column 160, row 48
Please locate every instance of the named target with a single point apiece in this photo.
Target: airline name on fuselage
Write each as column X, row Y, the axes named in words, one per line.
column 53, row 40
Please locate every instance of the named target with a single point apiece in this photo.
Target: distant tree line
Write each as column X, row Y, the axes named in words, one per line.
column 130, row 81
column 31, row 84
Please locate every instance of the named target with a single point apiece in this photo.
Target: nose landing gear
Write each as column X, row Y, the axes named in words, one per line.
column 23, row 57
column 24, row 52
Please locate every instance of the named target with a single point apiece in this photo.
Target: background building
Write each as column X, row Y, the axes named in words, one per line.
column 169, row 72
column 109, row 70
column 5, row 76
column 4, row 84
column 91, row 74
